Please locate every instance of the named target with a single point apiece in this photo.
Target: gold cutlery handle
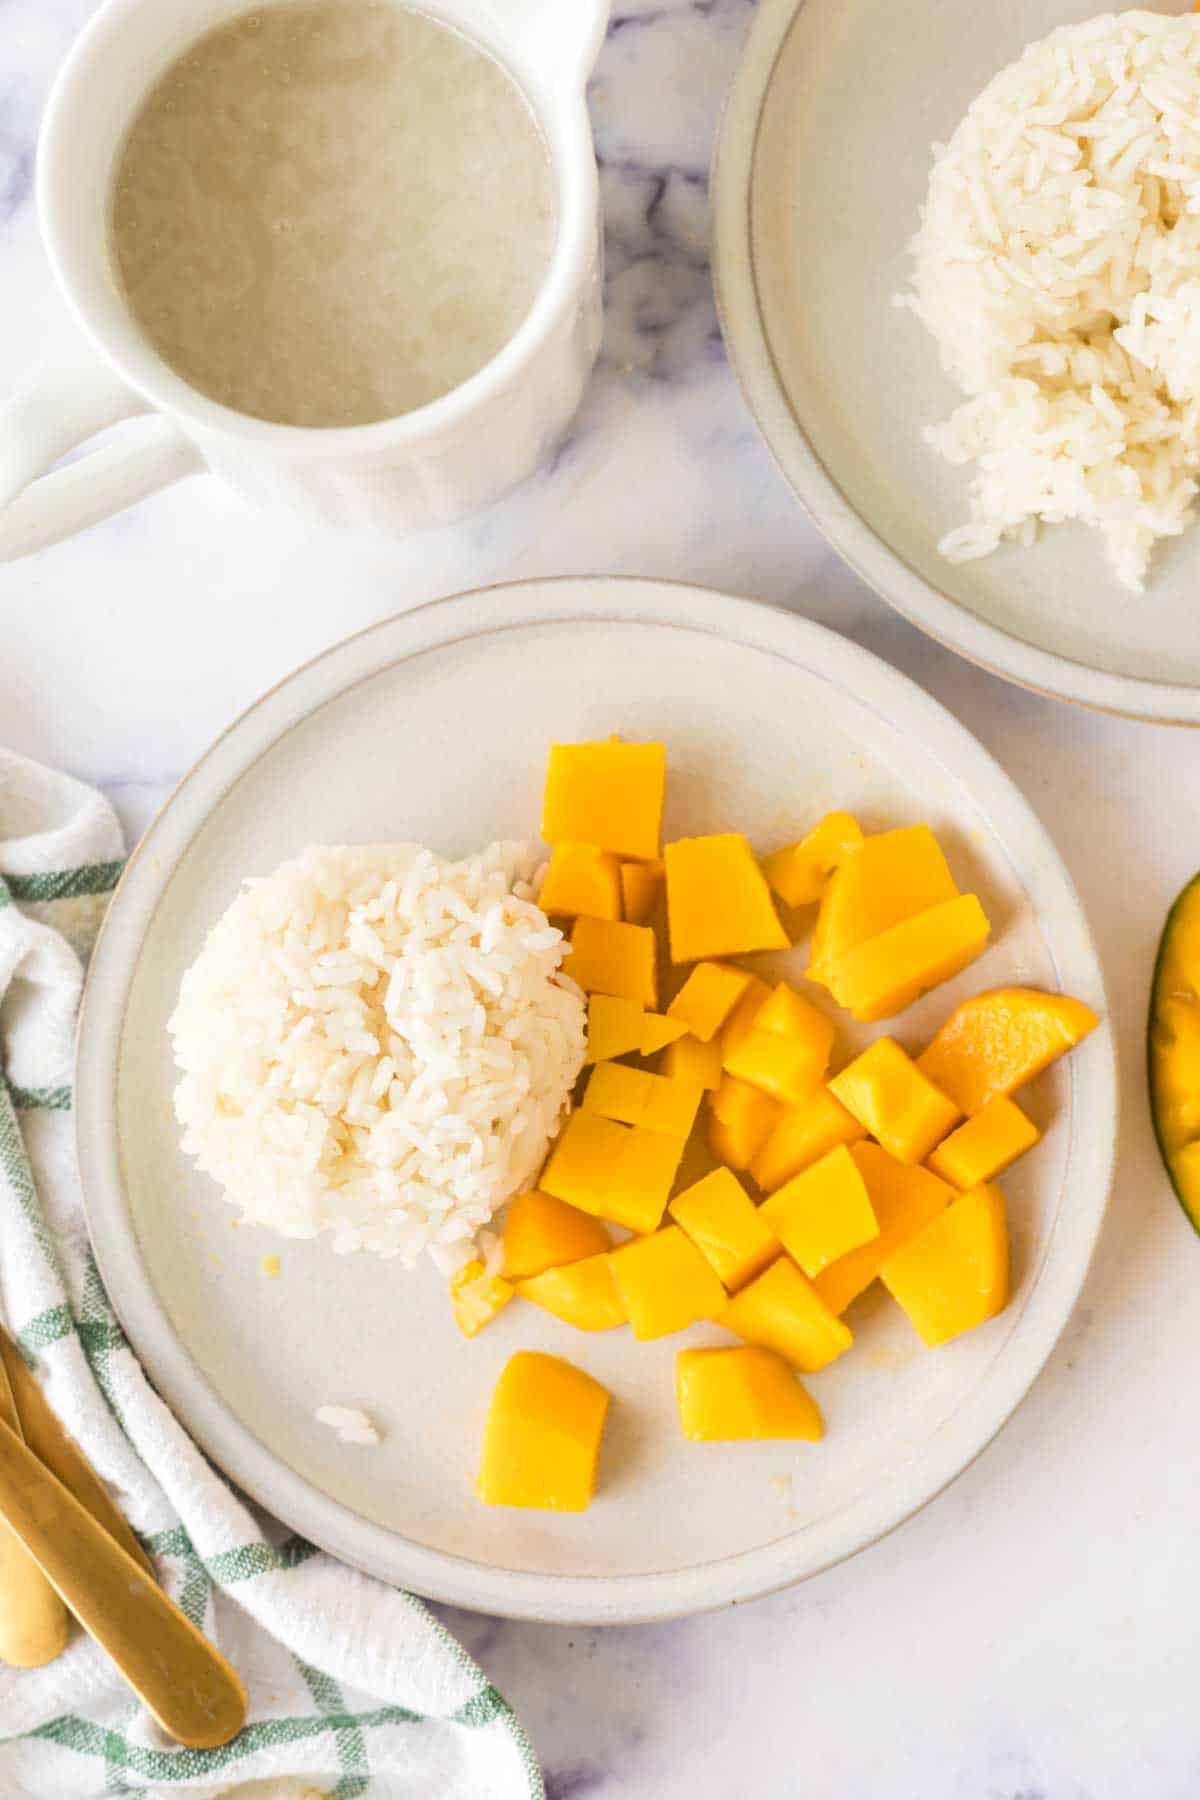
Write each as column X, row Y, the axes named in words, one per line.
column 187, row 1684
column 34, row 1623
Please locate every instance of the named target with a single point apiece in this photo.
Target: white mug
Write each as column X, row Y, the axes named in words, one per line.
column 430, row 466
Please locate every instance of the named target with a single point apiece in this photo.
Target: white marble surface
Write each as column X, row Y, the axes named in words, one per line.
column 1031, row 1636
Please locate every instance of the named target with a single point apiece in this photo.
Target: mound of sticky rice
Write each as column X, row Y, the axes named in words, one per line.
column 379, row 1045
column 1058, row 266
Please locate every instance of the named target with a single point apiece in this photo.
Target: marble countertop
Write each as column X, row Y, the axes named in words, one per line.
column 1030, row 1636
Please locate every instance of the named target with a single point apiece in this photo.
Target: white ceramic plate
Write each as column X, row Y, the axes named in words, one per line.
column 822, row 163
column 435, row 726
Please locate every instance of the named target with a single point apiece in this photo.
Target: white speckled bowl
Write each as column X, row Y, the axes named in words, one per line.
column 435, row 726
column 821, row 166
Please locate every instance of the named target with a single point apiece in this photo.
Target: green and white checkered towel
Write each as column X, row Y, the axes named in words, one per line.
column 355, row 1689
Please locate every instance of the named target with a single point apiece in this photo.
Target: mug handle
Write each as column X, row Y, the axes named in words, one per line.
column 62, row 408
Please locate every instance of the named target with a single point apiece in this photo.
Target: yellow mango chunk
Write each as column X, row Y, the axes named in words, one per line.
column 781, row 1310
column 985, row 1145
column 798, row 874
column 791, row 1015
column 613, row 1171
column 609, row 957
column 743, row 1392
column 822, row 1213
column 541, row 1232
column 742, row 1019
column 894, row 875
column 581, row 880
column 637, row 1098
column 658, row 1031
column 665, row 1283
column 995, row 1042
column 887, row 973
column 641, row 889
column 707, row 998
column 476, row 1297
column 954, row 1274
column 786, row 1051
column 726, row 1226
column 740, row 1120
column 542, row 1441
column 900, row 1106
column 718, row 902
column 615, row 1027
column 805, row 1132
column 904, row 1199
column 690, row 1060
column 580, row 1293
column 608, row 794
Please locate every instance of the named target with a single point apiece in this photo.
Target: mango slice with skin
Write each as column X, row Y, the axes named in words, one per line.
column 995, row 1042
column 641, row 890
column 726, row 1227
column 607, row 794
column 781, row 1310
column 823, row 1213
column 1173, row 1047
column 542, row 1232
column 581, row 1293
column 610, row 957
column 742, row 1392
column 799, row 872
column 476, row 1297
column 894, row 875
column 718, row 901
column 887, row 1092
column 954, row 1274
column 904, row 1200
column 618, row 1172
column 740, row 1120
column 581, row 879
column 665, row 1283
column 636, row 1097
column 882, row 976
column 986, row 1145
column 690, row 1060
column 708, row 996
column 805, row 1132
column 542, row 1441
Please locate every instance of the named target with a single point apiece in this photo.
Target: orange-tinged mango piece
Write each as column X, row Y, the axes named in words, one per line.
column 581, row 1293
column 740, row 1119
column 641, row 889
column 665, row 1283
column 782, row 1310
column 954, row 1274
column 742, row 1019
column 542, row 1441
column 994, row 1042
column 608, row 794
column 904, row 1199
column 618, row 1172
column 805, row 1132
column 708, row 996
column 542, row 1232
column 899, row 1105
column 986, row 1144
column 690, row 1060
column 726, row 1226
column 658, row 1032
column 639, row 1098
column 581, row 879
column 610, row 957
column 887, row 973
column 894, row 875
column 742, row 1392
column 476, row 1297
column 822, row 1213
column 798, row 874
column 718, row 901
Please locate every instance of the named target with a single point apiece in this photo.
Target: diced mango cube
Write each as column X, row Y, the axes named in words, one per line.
column 742, row 1019
column 786, row 1068
column 641, row 889
column 542, row 1441
column 582, row 1294
column 743, row 1392
column 954, row 1274
column 900, row 1106
column 665, row 1283
column 658, row 1031
column 804, row 1133
column 477, row 1297
column 613, row 1171
column 799, row 873
column 724, row 1223
column 615, row 1027
column 690, row 1060
column 985, row 1145
column 782, row 1310
column 718, row 902
column 643, row 1178
column 995, row 1042
column 823, row 1213
column 741, row 1118
column 581, row 880
column 791, row 1015
column 887, row 973
column 707, row 998
column 639, row 1098
column 541, row 1232
column 610, row 794
column 903, row 1199
column 894, row 875
column 609, row 957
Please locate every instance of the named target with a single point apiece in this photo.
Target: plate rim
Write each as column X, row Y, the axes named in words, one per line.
column 935, row 612
column 376, row 1549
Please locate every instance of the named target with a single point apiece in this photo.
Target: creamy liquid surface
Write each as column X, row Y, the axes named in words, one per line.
column 329, row 212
